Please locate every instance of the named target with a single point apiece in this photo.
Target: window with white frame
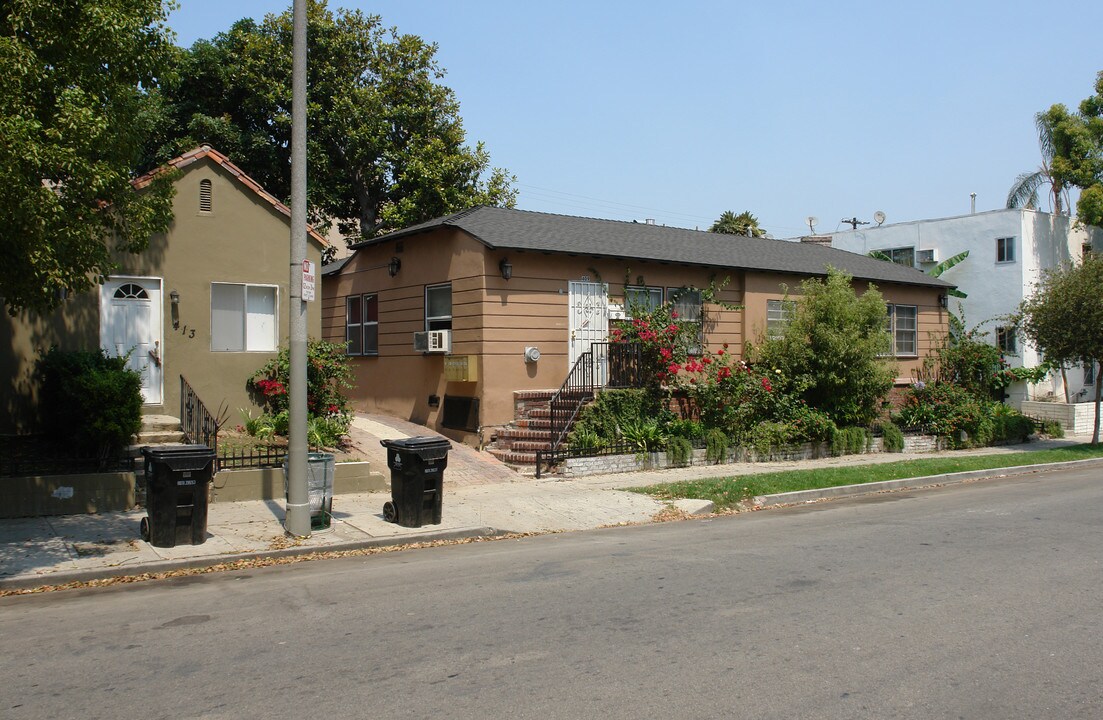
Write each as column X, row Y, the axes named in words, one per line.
column 438, row 307
column 639, row 300
column 1089, row 374
column 362, row 324
column 243, row 317
column 903, row 325
column 901, row 256
column 1006, row 340
column 779, row 313
column 1005, row 250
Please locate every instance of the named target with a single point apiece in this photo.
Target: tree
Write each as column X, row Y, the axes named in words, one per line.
column 833, row 348
column 1024, row 191
column 744, row 224
column 1080, row 163
column 385, row 139
column 936, row 271
column 77, row 99
column 1064, row 319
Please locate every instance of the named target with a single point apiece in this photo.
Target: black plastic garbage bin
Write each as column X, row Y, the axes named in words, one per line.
column 417, row 480
column 176, row 494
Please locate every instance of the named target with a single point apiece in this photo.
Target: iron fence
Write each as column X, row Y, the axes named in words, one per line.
column 196, row 421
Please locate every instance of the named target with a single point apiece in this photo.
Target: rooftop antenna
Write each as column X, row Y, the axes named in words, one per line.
column 854, row 222
column 812, row 221
column 879, row 218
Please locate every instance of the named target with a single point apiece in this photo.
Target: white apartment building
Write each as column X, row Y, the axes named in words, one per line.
column 1008, row 250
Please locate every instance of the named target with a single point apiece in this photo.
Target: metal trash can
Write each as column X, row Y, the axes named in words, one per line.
column 417, row 480
column 320, row 468
column 176, row 480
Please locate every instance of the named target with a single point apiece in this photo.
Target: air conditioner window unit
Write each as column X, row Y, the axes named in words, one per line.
column 433, row 341
column 926, row 256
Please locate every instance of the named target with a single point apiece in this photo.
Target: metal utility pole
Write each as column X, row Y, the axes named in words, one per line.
column 297, row 519
column 854, row 222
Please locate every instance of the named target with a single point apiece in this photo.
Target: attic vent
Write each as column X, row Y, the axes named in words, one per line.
column 205, row 200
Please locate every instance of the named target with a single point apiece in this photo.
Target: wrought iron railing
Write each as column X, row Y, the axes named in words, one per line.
column 198, row 424
column 604, row 365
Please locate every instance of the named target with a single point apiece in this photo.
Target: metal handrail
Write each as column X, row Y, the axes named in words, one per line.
column 196, row 421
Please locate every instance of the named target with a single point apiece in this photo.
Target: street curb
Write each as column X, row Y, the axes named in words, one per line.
column 64, row 577
column 798, row 497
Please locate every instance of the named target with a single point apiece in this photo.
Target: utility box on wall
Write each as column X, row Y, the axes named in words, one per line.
column 461, row 368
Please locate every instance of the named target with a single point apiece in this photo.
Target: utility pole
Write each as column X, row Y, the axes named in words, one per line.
column 854, row 222
column 297, row 519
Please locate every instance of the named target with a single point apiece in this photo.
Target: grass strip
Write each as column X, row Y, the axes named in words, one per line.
column 727, row 492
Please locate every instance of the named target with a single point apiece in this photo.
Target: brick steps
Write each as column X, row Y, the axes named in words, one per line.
column 530, row 431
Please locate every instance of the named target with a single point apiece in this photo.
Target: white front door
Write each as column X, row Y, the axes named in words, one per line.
column 589, row 321
column 130, row 326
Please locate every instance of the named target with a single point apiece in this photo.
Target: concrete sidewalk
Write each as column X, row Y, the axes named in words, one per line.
column 481, row 498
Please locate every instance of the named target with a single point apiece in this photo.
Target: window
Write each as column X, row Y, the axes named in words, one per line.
column 1089, row 374
column 438, row 307
column 206, row 201
column 903, row 325
column 642, row 300
column 686, row 302
column 1006, row 341
column 362, row 324
column 901, row 256
column 1086, row 252
column 243, row 317
column 1005, row 250
column 779, row 313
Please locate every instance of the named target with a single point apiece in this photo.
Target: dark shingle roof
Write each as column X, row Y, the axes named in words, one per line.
column 505, row 229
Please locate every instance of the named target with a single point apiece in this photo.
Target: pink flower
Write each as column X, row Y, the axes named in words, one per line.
column 673, row 368
column 674, row 314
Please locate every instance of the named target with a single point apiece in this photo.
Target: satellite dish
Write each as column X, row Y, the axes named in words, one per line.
column 812, row 221
column 879, row 217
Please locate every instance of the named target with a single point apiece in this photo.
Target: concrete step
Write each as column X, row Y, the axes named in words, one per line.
column 160, row 437
column 156, row 423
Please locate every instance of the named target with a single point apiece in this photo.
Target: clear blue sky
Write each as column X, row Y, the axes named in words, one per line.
column 679, row 111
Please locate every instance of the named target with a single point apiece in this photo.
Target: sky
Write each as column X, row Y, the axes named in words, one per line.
column 677, row 112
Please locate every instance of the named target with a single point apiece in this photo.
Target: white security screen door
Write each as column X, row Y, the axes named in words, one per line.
column 589, row 322
column 130, row 322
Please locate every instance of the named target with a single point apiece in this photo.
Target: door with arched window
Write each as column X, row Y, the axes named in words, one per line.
column 130, row 326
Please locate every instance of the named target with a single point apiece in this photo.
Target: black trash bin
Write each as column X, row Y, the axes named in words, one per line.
column 417, row 480
column 176, row 494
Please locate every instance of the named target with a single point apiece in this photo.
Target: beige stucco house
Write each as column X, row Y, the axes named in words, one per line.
column 448, row 319
column 208, row 300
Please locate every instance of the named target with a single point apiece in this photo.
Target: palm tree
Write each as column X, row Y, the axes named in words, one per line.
column 1024, row 191
column 744, row 224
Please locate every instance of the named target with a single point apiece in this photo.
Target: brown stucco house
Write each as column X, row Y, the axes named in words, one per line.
column 448, row 319
column 207, row 300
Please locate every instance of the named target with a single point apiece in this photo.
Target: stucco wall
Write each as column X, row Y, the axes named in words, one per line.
column 242, row 240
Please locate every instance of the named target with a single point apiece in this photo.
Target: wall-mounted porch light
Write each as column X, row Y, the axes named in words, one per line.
column 943, row 301
column 394, row 266
column 507, row 268
column 174, row 298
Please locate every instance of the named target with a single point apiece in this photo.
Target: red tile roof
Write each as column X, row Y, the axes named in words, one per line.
column 206, row 151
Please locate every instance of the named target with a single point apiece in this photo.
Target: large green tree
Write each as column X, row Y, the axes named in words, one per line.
column 744, row 224
column 76, row 105
column 386, row 144
column 833, row 349
column 1079, row 136
column 1064, row 319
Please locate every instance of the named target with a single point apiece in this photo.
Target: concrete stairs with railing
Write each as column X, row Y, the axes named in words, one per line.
column 517, row 443
column 157, row 431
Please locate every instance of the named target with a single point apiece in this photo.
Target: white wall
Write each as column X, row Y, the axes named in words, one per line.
column 1042, row 241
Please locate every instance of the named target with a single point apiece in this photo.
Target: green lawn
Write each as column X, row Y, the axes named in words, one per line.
column 726, row 492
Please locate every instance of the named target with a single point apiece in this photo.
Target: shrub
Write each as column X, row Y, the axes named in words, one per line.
column 893, row 437
column 1053, row 429
column 644, row 435
column 716, row 445
column 679, row 451
column 91, row 400
column 850, row 441
column 611, row 410
column 327, row 378
column 583, row 439
column 691, row 430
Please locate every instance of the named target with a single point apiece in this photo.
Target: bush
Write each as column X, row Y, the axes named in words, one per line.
column 1053, row 429
column 679, row 451
column 612, row 410
column 691, row 430
column 850, row 441
column 327, row 377
column 716, row 445
column 92, row 401
column 892, row 437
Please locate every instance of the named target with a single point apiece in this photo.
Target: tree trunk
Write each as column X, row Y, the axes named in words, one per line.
column 1098, row 391
column 1065, row 383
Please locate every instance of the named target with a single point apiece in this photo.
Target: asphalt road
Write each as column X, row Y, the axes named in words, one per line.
column 972, row 601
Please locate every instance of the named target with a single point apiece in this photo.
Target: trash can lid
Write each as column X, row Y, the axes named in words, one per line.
column 157, row 452
column 421, row 442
